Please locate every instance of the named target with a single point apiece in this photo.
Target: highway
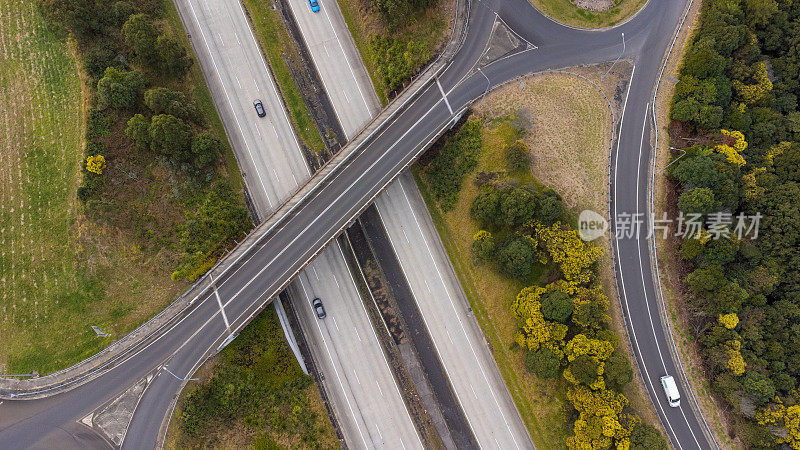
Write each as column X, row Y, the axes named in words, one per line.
column 298, row 238
column 472, row 374
column 344, row 347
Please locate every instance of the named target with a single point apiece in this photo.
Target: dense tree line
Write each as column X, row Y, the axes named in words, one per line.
column 562, row 325
column 738, row 90
column 129, row 59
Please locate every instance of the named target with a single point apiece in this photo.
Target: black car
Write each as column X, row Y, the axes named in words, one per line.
column 318, row 308
column 259, row 108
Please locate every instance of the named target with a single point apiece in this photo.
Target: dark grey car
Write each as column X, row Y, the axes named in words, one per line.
column 318, row 308
column 259, row 108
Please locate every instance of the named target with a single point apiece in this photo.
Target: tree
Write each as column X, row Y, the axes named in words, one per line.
column 517, row 206
column 685, row 110
column 137, row 131
column 218, row 218
column 589, row 314
column 121, row 10
column 516, row 258
column 617, row 371
column 172, row 58
column 169, row 136
column 161, row 100
column 84, row 17
column 759, row 387
column 704, row 62
column 140, row 34
column 584, row 368
column 119, row 88
column 98, row 57
column 206, row 149
column 556, row 306
column 484, row 207
column 706, row 279
column 781, row 416
column 483, row 246
column 544, row 363
column 697, row 201
column 551, row 208
column 518, row 157
column 647, row 437
column 457, row 157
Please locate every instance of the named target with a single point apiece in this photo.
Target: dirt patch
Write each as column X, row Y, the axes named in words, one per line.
column 594, row 5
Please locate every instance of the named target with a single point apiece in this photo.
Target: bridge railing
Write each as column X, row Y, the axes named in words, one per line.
column 117, row 352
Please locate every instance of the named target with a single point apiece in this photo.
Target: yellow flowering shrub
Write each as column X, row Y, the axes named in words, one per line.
column 781, row 416
column 96, row 164
column 601, row 423
column 750, row 185
column 729, row 321
column 481, row 235
column 581, row 345
column 736, row 362
column 568, row 250
column 752, row 93
column 536, row 331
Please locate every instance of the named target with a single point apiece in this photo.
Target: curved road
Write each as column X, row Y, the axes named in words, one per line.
column 52, row 422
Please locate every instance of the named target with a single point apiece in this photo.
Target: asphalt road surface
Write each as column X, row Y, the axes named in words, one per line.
column 455, row 334
column 347, row 352
column 298, row 238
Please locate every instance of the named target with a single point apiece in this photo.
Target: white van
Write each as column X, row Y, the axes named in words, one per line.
column 671, row 389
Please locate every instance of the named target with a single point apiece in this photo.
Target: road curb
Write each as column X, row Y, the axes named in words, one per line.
column 654, row 270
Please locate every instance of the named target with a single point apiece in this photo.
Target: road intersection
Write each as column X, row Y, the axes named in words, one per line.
column 297, row 239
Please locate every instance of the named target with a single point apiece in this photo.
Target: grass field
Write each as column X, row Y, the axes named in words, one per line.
column 66, row 266
column 276, row 43
column 40, row 154
column 566, row 12
column 570, row 144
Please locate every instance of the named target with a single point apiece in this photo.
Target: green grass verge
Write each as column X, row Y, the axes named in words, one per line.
column 354, row 18
column 41, row 152
column 540, row 403
column 65, row 266
column 276, row 43
column 567, row 13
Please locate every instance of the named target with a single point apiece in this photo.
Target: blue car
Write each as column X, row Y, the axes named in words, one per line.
column 314, row 5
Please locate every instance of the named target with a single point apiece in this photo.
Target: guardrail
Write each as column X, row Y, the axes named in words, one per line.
column 694, row 405
column 117, row 352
